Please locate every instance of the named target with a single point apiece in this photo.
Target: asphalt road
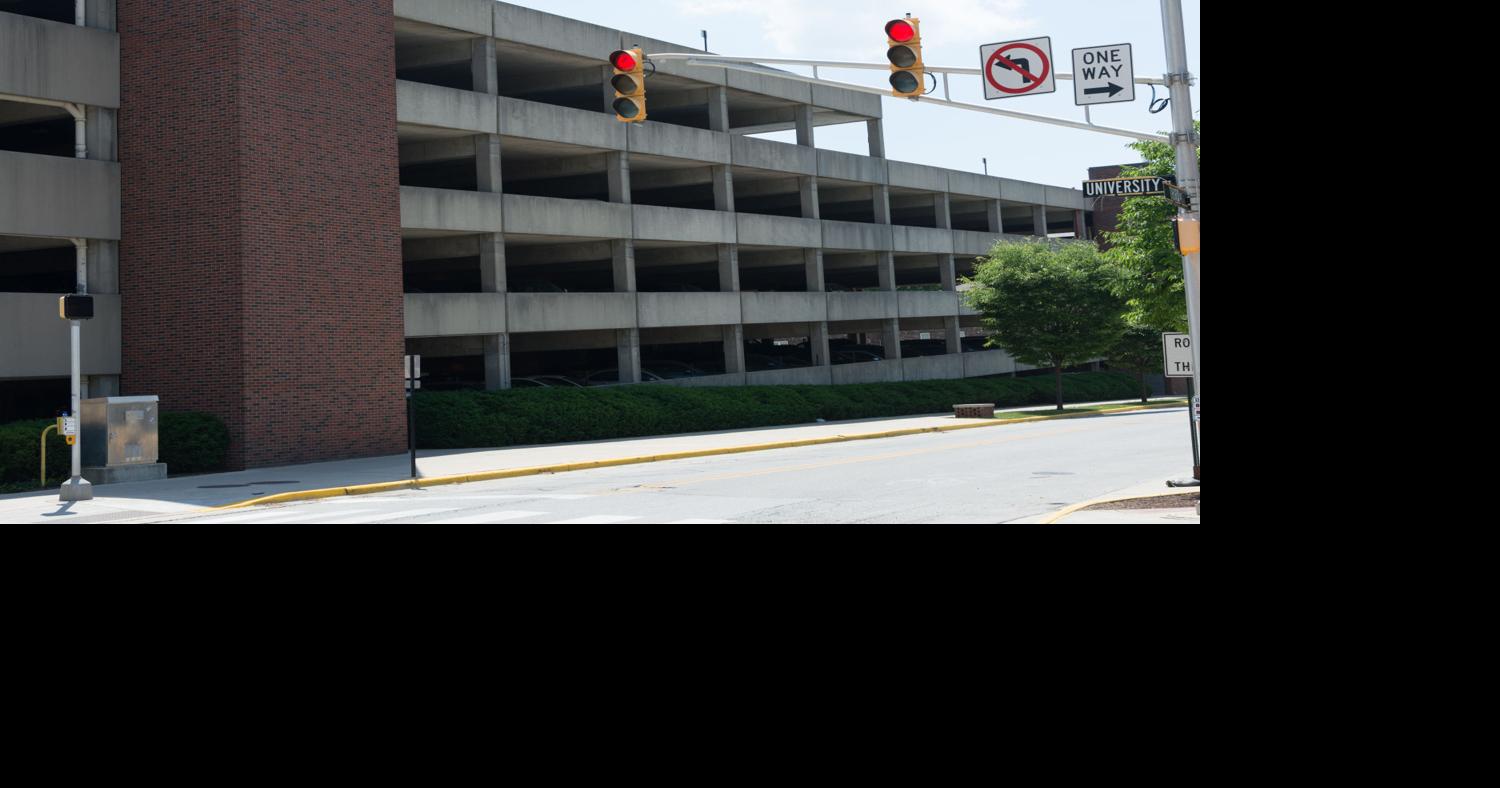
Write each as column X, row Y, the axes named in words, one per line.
column 991, row 475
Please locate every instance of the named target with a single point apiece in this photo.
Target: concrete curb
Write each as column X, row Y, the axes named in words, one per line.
column 513, row 473
column 1077, row 507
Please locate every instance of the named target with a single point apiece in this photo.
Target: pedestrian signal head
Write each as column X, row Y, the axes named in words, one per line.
column 904, row 51
column 629, row 82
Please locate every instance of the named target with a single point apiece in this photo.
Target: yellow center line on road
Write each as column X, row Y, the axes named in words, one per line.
column 658, row 486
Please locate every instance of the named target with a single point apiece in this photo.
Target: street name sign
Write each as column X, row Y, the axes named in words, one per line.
column 1178, row 355
column 1018, row 68
column 1125, row 187
column 1103, row 75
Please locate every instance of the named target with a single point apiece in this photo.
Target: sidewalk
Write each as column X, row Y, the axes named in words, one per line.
column 1080, row 514
column 192, row 493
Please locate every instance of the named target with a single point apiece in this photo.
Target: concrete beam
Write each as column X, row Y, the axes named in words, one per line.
column 452, row 149
column 563, row 167
column 417, row 249
column 441, row 54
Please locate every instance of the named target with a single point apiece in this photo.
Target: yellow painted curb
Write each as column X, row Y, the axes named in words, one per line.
column 513, row 473
column 1075, row 508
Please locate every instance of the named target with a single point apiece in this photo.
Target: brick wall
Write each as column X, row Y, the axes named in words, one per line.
column 260, row 263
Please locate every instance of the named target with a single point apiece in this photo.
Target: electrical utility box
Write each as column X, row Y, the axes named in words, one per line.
column 121, row 432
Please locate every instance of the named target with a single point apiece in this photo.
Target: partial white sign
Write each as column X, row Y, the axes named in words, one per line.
column 1178, row 360
column 1103, row 75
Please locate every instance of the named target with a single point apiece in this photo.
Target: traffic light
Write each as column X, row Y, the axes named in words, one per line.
column 75, row 307
column 629, row 82
column 904, row 39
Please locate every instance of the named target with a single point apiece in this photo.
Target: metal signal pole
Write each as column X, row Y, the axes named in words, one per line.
column 1186, row 143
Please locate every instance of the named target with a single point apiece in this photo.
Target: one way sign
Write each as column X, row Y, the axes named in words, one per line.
column 1103, row 75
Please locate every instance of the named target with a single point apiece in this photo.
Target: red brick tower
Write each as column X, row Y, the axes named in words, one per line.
column 260, row 262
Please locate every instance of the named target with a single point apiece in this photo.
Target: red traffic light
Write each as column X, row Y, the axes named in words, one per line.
column 624, row 61
column 900, row 30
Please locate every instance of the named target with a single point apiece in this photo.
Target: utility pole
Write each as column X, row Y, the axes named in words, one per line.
column 1186, row 143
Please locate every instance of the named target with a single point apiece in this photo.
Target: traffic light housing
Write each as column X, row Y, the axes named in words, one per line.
column 904, row 50
column 75, row 307
column 629, row 82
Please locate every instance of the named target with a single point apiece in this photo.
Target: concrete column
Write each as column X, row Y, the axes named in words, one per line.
column 885, row 268
column 734, row 349
column 723, row 181
column 492, row 263
column 807, row 187
column 496, row 362
column 890, row 338
column 100, row 14
column 997, row 222
column 1080, row 225
column 881, row 197
column 947, row 272
column 487, row 162
column 818, row 339
column 729, row 268
column 718, row 109
column 486, row 75
column 622, row 254
column 617, row 167
column 876, row 130
column 104, row 267
column 950, row 331
column 813, row 258
column 942, row 208
column 628, row 351
column 1039, row 221
column 805, row 125
column 101, row 134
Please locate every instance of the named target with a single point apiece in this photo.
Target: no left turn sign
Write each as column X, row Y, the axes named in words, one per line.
column 1018, row 68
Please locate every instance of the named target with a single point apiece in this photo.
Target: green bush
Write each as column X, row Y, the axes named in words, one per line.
column 188, row 442
column 191, row 442
column 479, row 419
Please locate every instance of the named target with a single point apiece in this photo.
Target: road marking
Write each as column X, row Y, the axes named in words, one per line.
column 857, row 460
column 487, row 517
column 385, row 514
column 277, row 515
column 603, row 519
column 407, row 495
column 701, row 522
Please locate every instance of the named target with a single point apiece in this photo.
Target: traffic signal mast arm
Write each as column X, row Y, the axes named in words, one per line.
column 972, row 72
column 749, row 64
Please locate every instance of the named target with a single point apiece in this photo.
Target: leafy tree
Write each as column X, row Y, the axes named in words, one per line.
column 1138, row 351
column 1143, row 250
column 1050, row 304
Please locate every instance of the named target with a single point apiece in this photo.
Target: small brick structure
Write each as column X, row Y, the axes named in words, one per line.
column 982, row 410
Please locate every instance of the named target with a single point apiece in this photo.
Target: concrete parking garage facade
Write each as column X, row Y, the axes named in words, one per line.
column 306, row 190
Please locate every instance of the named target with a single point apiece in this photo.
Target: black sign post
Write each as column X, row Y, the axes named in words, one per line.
column 413, row 382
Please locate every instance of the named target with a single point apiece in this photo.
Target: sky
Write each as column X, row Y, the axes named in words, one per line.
column 952, row 32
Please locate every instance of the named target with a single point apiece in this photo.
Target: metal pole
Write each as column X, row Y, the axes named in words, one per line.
column 786, row 61
column 1185, row 141
column 1004, row 113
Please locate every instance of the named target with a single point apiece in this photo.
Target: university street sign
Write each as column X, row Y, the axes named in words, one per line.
column 1125, row 187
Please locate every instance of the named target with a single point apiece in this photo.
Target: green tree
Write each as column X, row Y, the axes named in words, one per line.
column 1049, row 304
column 1139, row 352
column 1143, row 251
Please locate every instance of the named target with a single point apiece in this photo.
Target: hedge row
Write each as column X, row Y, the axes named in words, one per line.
column 475, row 419
column 188, row 443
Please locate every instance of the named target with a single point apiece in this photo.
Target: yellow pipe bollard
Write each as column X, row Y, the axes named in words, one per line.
column 44, row 453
